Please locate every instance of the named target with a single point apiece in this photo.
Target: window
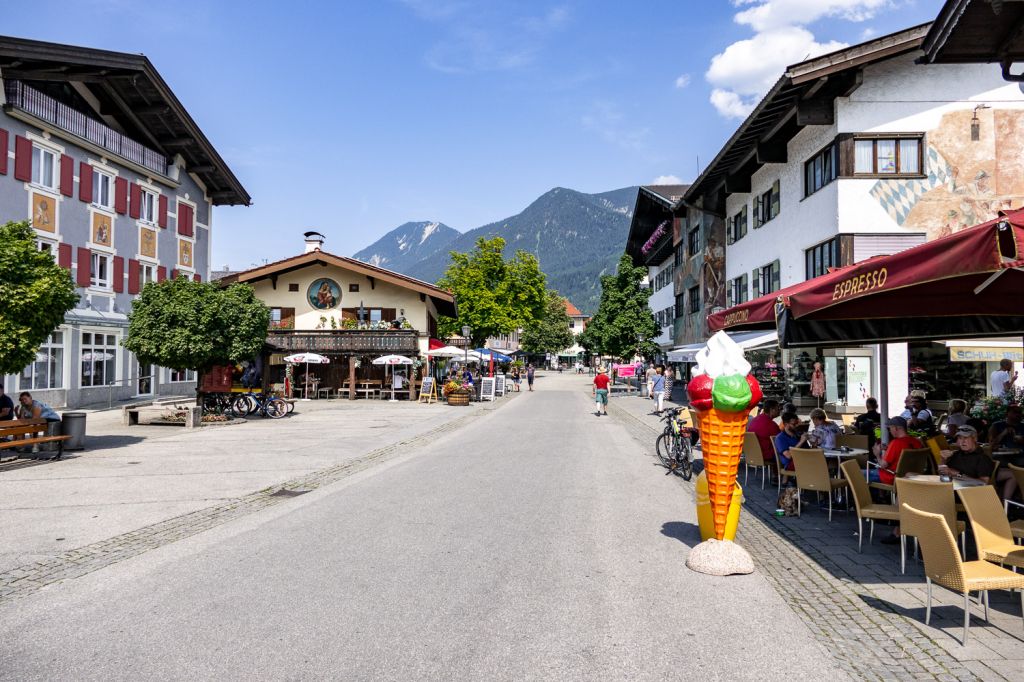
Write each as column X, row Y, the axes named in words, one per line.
column 48, row 369
column 147, row 207
column 766, row 205
column 293, row 287
column 680, row 253
column 680, row 303
column 822, row 257
column 47, row 246
column 353, row 288
column 736, row 292
column 101, row 189
column 175, row 376
column 100, row 271
column 887, row 156
column 694, row 299
column 44, row 167
column 147, row 274
column 821, row 169
column 766, row 279
column 665, row 317
column 693, row 241
column 736, row 227
column 376, row 315
column 663, row 278
column 99, row 359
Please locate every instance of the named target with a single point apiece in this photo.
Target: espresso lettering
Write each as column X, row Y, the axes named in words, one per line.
column 860, row 284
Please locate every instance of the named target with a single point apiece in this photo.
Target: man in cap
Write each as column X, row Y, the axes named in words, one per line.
column 899, row 440
column 970, row 462
column 601, row 391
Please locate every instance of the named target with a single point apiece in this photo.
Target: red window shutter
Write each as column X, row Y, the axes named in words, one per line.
column 135, row 206
column 133, row 276
column 22, row 159
column 67, row 175
column 184, row 220
column 121, row 195
column 84, row 267
column 85, row 182
column 118, row 275
column 161, row 273
column 161, row 215
column 4, row 141
column 197, row 277
column 64, row 256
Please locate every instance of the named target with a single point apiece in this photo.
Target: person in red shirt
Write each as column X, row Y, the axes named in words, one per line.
column 601, row 391
column 899, row 441
column 765, row 427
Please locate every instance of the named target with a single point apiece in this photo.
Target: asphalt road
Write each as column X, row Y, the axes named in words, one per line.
column 538, row 542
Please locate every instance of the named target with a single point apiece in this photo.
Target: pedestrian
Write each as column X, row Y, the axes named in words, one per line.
column 1001, row 380
column 670, row 380
column 515, row 378
column 531, row 373
column 649, row 379
column 657, row 389
column 601, row 391
column 6, row 405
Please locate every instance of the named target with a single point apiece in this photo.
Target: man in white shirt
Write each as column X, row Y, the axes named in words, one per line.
column 1002, row 380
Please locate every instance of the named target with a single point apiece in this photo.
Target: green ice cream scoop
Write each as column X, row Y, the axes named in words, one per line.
column 731, row 393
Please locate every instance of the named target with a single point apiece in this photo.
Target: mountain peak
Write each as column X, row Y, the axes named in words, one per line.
column 407, row 244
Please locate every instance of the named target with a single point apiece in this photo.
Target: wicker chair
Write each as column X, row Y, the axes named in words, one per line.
column 857, row 442
column 992, row 535
column 912, row 461
column 1016, row 527
column 812, row 474
column 866, row 509
column 779, row 471
column 934, row 498
column 753, row 457
column 943, row 565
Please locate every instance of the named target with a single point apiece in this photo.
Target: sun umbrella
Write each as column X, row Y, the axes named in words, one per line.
column 391, row 361
column 307, row 358
column 446, row 352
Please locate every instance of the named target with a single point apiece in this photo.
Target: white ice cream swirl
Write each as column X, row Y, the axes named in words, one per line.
column 721, row 357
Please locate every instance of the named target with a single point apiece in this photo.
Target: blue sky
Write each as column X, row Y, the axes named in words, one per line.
column 354, row 117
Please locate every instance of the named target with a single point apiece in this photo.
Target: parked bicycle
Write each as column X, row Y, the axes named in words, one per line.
column 673, row 445
column 263, row 404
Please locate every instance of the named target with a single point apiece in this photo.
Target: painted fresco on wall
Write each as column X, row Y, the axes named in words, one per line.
column 968, row 181
column 147, row 242
column 44, row 212
column 101, row 230
column 323, row 294
column 185, row 253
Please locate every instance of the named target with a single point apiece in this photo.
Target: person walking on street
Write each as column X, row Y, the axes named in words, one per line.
column 670, row 380
column 530, row 374
column 515, row 378
column 658, row 389
column 649, row 380
column 601, row 391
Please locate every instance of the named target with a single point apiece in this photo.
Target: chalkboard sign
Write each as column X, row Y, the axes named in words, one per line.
column 499, row 384
column 428, row 391
column 487, row 388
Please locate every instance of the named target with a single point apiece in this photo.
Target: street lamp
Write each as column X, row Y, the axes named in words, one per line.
column 465, row 334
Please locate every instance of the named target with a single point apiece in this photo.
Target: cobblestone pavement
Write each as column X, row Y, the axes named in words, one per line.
column 24, row 579
column 859, row 605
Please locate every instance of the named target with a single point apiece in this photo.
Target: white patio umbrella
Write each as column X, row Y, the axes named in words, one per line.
column 446, row 352
column 392, row 360
column 308, row 358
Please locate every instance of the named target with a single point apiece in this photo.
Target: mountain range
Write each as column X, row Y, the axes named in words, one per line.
column 576, row 236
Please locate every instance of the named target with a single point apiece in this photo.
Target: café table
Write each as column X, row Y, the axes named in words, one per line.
column 845, row 453
column 958, row 483
column 1006, row 452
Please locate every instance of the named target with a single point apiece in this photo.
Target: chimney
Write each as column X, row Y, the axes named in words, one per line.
column 314, row 241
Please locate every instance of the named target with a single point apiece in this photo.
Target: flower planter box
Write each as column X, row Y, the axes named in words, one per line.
column 458, row 399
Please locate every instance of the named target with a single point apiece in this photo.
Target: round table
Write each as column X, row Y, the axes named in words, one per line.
column 958, row 483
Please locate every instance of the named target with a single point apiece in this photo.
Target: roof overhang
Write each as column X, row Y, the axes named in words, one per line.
column 131, row 92
column 977, row 32
column 653, row 213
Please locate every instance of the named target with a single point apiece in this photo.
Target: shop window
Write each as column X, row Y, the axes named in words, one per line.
column 47, row 372
column 177, row 376
column 98, row 359
column 887, row 156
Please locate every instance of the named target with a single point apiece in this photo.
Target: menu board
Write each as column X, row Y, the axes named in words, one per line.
column 499, row 385
column 487, row 388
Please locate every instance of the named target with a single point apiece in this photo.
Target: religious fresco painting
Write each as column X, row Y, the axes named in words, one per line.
column 323, row 294
column 101, row 230
column 968, row 181
column 147, row 242
column 185, row 253
column 44, row 212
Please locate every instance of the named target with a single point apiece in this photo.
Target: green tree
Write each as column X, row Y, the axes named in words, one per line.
column 494, row 296
column 183, row 324
column 35, row 293
column 550, row 333
column 624, row 325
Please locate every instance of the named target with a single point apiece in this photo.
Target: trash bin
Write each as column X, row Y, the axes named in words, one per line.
column 705, row 517
column 73, row 424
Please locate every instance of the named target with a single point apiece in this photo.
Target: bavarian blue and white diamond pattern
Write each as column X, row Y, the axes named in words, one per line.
column 898, row 197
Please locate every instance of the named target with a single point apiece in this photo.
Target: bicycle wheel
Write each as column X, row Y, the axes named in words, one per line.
column 662, row 447
column 684, row 458
column 239, row 406
column 276, row 408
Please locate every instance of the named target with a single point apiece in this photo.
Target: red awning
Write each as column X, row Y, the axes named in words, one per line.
column 434, row 344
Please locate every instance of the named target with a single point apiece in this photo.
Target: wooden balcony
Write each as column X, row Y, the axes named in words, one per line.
column 347, row 341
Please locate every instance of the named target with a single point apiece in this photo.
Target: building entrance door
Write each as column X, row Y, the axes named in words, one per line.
column 145, row 378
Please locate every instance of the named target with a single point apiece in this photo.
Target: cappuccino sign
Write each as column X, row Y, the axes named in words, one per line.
column 737, row 317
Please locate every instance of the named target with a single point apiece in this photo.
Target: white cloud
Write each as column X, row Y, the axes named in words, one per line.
column 868, row 33
column 683, row 81
column 607, row 121
column 666, row 180
column 746, row 69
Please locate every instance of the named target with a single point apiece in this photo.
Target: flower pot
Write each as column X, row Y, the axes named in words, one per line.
column 458, row 399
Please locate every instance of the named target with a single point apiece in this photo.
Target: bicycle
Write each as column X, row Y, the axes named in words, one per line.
column 673, row 446
column 264, row 404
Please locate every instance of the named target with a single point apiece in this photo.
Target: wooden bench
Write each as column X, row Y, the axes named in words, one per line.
column 130, row 415
column 25, row 433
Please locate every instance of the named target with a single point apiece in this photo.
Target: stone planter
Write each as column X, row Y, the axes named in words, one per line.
column 458, row 399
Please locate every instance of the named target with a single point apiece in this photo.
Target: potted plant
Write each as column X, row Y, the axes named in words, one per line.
column 456, row 393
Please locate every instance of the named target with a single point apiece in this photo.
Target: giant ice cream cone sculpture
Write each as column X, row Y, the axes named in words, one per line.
column 722, row 393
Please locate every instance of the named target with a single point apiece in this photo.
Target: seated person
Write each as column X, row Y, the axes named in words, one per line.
column 1008, row 433
column 899, row 440
column 788, row 439
column 764, row 426
column 956, row 418
column 922, row 419
column 968, row 460
column 908, row 404
column 823, row 432
column 865, row 423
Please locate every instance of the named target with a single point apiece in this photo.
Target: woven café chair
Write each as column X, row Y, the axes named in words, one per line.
column 1016, row 527
column 753, row 457
column 937, row 444
column 866, row 509
column 912, row 461
column 992, row 535
column 934, row 498
column 779, row 471
column 857, row 442
column 943, row 565
column 812, row 474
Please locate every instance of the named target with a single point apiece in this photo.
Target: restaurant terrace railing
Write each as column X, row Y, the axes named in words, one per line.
column 404, row 341
column 44, row 107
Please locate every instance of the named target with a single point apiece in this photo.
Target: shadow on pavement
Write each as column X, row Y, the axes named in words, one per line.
column 112, row 441
column 687, row 533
